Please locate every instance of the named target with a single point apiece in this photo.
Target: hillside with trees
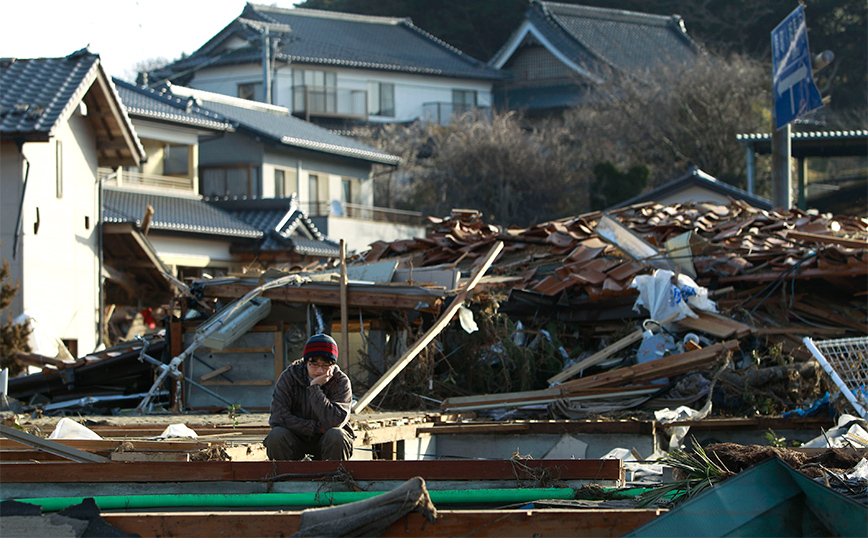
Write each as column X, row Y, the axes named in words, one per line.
column 480, row 27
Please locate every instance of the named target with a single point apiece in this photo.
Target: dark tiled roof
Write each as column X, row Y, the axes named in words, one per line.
column 280, row 126
column 179, row 214
column 696, row 177
column 342, row 39
column 599, row 39
column 148, row 103
column 36, row 93
column 283, row 225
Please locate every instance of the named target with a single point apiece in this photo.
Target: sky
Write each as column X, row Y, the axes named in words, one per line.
column 122, row 32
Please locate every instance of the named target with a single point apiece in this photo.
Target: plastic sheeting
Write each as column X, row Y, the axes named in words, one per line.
column 662, row 294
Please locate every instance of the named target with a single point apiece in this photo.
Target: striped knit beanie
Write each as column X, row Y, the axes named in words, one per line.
column 322, row 346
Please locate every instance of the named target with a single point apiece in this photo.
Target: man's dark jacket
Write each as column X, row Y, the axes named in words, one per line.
column 308, row 410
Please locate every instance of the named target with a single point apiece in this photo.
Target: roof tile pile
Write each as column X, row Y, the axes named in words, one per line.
column 738, row 242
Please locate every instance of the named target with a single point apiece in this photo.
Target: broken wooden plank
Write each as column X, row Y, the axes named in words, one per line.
column 715, row 325
column 150, row 456
column 215, row 373
column 827, row 239
column 109, row 445
column 227, row 471
column 651, row 370
column 532, row 397
column 429, row 335
column 580, row 523
column 51, row 447
column 603, row 354
column 358, row 295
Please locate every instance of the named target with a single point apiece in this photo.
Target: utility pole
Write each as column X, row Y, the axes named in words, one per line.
column 266, row 65
column 782, row 172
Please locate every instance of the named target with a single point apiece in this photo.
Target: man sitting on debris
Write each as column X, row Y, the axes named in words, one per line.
column 310, row 409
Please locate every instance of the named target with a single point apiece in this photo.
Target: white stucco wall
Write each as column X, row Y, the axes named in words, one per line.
column 359, row 234
column 694, row 194
column 59, row 261
column 411, row 91
column 190, row 252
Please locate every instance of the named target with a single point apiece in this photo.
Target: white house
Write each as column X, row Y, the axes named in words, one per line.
column 60, row 119
column 336, row 68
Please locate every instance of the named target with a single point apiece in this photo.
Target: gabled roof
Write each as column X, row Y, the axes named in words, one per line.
column 697, row 178
column 40, row 94
column 593, row 41
column 277, row 125
column 150, row 104
column 173, row 213
column 338, row 39
column 284, row 225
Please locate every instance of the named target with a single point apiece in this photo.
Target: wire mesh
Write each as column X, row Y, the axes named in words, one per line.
column 848, row 358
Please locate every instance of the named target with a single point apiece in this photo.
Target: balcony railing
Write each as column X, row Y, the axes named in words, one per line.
column 310, row 101
column 125, row 177
column 361, row 212
column 442, row 113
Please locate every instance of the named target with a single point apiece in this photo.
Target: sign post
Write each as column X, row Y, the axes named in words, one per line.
column 795, row 94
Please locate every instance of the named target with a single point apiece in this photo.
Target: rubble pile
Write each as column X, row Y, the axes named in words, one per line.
column 564, row 290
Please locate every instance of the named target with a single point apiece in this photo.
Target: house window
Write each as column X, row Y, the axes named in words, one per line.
column 314, row 91
column 176, row 161
column 241, row 181
column 313, row 194
column 463, row 100
column 381, row 99
column 252, row 91
column 58, row 153
column 279, row 183
column 346, row 191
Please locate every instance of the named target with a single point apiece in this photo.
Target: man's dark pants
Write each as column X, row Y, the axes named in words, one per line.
column 334, row 444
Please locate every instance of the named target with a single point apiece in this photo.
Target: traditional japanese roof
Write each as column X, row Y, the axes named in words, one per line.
column 150, row 104
column 173, row 213
column 594, row 41
column 335, row 39
column 277, row 125
column 40, row 94
column 696, row 178
column 284, row 225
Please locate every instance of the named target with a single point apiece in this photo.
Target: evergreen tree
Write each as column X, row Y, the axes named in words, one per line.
column 13, row 336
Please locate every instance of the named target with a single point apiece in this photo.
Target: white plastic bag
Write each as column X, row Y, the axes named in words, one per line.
column 661, row 297
column 178, row 431
column 69, row 429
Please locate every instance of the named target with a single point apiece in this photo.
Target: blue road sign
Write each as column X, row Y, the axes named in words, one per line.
column 796, row 94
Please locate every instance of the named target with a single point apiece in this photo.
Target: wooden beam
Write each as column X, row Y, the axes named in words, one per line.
column 603, row 354
column 827, row 239
column 552, row 427
column 245, row 471
column 518, row 399
column 50, row 446
column 108, row 445
column 715, row 325
column 583, row 522
column 358, row 296
column 429, row 335
column 651, row 370
column 215, row 373
column 345, row 336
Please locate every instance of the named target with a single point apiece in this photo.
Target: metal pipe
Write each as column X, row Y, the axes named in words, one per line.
column 120, row 502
